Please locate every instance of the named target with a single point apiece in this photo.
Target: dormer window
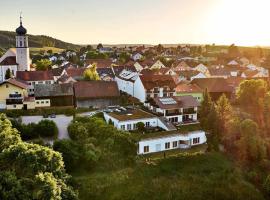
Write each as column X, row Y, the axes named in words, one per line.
column 156, row 89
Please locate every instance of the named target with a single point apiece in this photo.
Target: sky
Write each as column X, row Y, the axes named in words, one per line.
column 243, row 22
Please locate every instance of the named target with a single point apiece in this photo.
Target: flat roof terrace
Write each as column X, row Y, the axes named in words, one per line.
column 131, row 114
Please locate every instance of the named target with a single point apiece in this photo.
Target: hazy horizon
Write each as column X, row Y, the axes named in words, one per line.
column 150, row 22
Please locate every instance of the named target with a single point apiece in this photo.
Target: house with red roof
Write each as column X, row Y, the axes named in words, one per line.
column 36, row 77
column 152, row 86
column 14, row 95
column 188, row 89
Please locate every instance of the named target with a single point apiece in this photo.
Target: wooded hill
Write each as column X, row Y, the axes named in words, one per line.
column 7, row 40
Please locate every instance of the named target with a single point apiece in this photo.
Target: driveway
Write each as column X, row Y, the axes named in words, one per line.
column 61, row 122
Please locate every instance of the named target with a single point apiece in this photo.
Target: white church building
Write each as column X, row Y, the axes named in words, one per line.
column 16, row 59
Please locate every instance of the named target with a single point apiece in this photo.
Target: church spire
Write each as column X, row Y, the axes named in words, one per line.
column 21, row 30
column 21, row 18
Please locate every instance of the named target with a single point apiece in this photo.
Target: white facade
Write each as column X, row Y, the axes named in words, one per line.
column 201, row 68
column 130, row 125
column 31, row 88
column 138, row 66
column 137, row 56
column 199, row 75
column 126, row 80
column 139, row 91
column 22, row 53
column 41, row 103
column 157, row 65
column 176, row 141
column 125, row 86
column 3, row 70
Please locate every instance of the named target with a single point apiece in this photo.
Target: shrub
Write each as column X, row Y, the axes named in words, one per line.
column 70, row 150
column 141, row 126
column 47, row 128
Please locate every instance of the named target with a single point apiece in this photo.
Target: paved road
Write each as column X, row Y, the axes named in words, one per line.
column 61, row 121
column 89, row 114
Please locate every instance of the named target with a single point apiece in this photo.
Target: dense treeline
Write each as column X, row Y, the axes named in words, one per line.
column 30, row 171
column 45, row 128
column 242, row 129
column 94, row 143
column 7, row 40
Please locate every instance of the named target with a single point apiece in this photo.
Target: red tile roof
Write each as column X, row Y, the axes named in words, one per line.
column 35, row 75
column 95, row 89
column 180, row 102
column 188, row 88
column 213, row 84
column 11, row 60
column 101, row 63
column 15, row 82
column 152, row 81
column 75, row 72
column 160, row 71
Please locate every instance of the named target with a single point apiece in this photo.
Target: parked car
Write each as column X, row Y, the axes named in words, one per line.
column 52, row 116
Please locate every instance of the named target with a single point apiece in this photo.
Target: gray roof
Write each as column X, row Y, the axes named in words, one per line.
column 53, row 90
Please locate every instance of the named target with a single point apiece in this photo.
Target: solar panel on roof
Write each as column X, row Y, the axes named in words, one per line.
column 168, row 101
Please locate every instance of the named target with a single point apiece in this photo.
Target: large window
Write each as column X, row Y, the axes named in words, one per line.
column 146, row 149
column 196, row 140
column 129, row 127
column 123, row 127
column 167, row 145
column 174, row 144
column 147, row 124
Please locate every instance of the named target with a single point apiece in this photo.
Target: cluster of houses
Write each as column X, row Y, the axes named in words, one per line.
column 170, row 95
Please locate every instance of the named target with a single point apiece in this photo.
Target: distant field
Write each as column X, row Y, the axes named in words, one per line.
column 210, row 176
column 54, row 50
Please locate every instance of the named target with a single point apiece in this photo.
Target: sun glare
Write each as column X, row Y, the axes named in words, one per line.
column 239, row 21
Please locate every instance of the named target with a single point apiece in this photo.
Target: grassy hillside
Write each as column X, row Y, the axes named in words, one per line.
column 7, row 40
column 38, row 50
column 209, row 176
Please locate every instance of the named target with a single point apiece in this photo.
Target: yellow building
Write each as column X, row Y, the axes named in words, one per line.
column 13, row 95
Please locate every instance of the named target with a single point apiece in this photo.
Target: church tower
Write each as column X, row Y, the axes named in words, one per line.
column 22, row 49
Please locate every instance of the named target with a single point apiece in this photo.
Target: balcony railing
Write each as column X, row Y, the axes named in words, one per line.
column 189, row 111
column 173, row 114
column 12, row 101
column 15, row 96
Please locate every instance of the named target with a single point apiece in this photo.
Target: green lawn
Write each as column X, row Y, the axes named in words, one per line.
column 54, row 50
column 206, row 176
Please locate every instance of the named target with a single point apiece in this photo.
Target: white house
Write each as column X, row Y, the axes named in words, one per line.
column 137, row 56
column 105, row 50
column 8, row 63
column 126, row 80
column 146, row 87
column 17, row 59
column 199, row 75
column 171, row 140
column 233, row 63
column 252, row 67
column 70, row 54
column 138, row 66
column 201, row 68
column 127, row 119
column 157, row 65
column 53, row 58
column 180, row 109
